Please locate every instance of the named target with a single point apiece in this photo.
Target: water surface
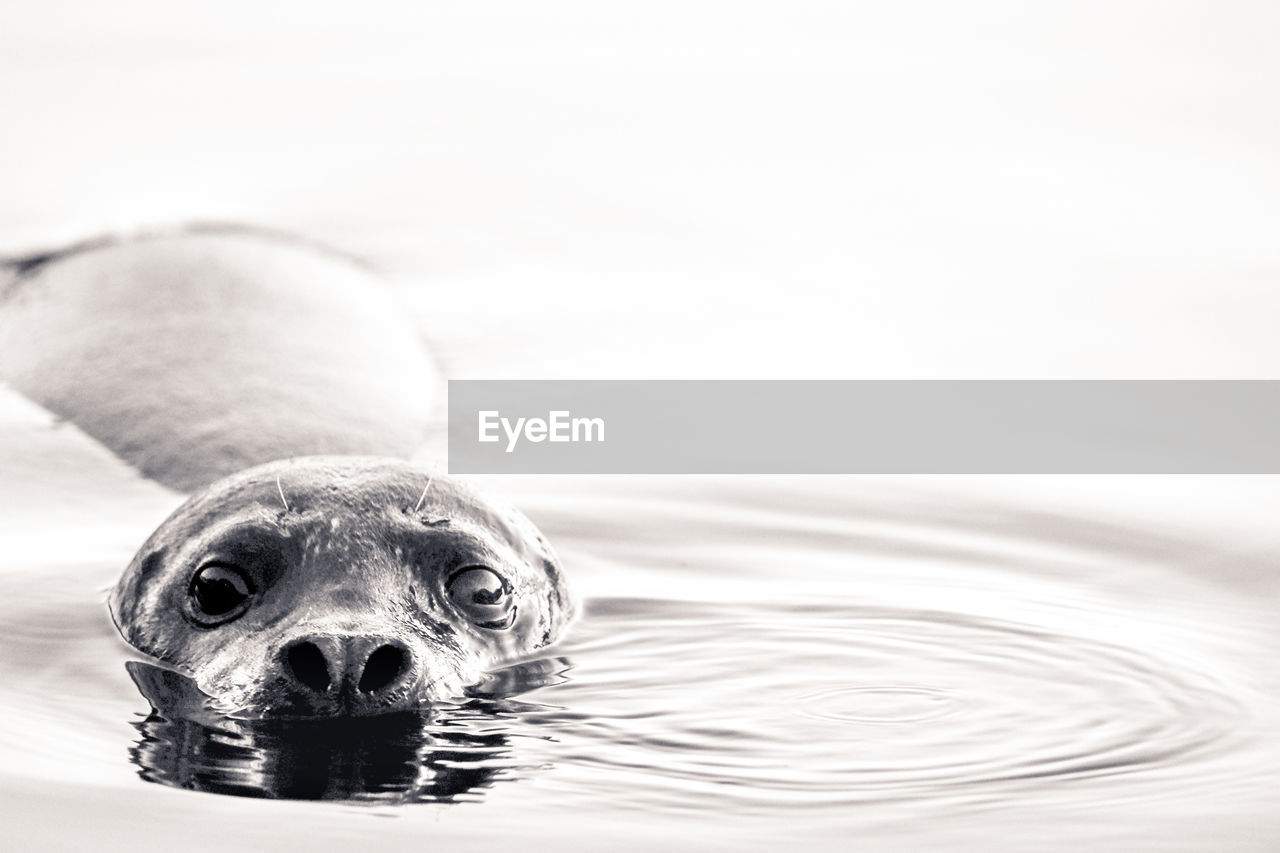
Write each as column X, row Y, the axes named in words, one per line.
column 759, row 659
column 703, row 190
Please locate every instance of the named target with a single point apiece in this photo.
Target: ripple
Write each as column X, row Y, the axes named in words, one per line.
column 750, row 705
column 879, row 704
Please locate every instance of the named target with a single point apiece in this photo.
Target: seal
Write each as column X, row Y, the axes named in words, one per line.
column 315, row 571
column 340, row 586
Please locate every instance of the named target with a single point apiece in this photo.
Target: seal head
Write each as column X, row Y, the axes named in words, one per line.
column 329, row 586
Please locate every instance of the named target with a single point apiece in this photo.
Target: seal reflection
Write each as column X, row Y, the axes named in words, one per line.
column 444, row 754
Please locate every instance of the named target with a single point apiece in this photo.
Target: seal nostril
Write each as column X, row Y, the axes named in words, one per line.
column 307, row 664
column 383, row 667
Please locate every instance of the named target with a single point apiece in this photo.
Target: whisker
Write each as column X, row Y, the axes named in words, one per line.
column 418, row 505
column 281, row 491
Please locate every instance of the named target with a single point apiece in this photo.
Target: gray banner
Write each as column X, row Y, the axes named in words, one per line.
column 864, row 427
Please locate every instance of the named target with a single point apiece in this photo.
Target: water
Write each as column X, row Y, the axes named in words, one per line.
column 759, row 659
column 705, row 190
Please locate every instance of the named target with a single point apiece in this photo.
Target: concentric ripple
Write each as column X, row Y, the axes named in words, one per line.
column 885, row 704
column 827, row 704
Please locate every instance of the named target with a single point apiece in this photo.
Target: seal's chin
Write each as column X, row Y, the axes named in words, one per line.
column 178, row 696
column 261, row 692
column 346, row 700
column 343, row 704
column 277, row 698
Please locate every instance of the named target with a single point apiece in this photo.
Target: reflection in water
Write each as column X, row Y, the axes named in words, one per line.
column 960, row 680
column 437, row 755
column 845, row 704
column 394, row 758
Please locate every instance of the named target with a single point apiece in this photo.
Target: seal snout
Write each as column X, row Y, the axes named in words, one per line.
column 360, row 671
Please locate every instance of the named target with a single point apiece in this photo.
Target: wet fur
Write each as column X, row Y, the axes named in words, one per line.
column 358, row 551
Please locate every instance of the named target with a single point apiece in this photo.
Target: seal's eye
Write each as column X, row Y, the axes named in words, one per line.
column 483, row 596
column 220, row 593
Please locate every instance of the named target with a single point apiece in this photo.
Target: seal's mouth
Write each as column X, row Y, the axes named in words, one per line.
column 319, row 673
column 175, row 696
column 339, row 704
column 178, row 696
column 345, row 700
column 343, row 675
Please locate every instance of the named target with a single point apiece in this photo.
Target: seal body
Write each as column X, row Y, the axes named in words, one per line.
column 195, row 354
column 340, row 586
